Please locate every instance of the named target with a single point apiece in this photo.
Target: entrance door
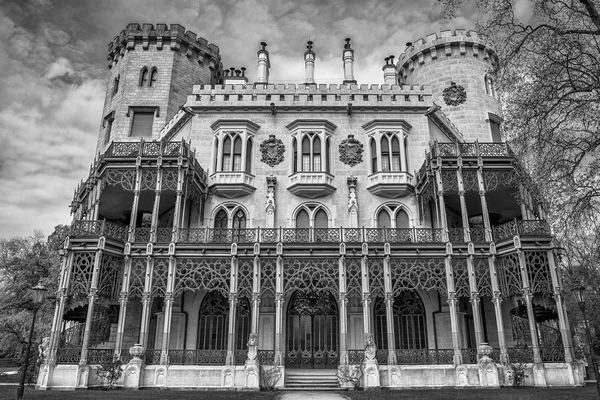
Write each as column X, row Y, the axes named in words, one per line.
column 312, row 331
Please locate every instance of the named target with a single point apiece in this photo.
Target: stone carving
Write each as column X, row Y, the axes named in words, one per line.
column 351, row 151
column 252, row 347
column 370, row 347
column 454, row 94
column 43, row 349
column 272, row 151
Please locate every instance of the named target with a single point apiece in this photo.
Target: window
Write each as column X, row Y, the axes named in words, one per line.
column 312, row 216
column 408, row 322
column 229, row 224
column 311, row 145
column 153, row 75
column 392, row 216
column 232, row 153
column 116, row 85
column 495, row 122
column 388, row 151
column 144, row 76
column 311, row 152
column 142, row 124
column 108, row 122
column 234, row 148
column 490, row 86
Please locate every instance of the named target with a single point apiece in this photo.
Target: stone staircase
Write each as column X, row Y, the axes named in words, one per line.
column 311, row 379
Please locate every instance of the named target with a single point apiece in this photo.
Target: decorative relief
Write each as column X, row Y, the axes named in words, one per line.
column 267, row 277
column 108, row 285
column 538, row 272
column 509, row 275
column 351, row 151
column 202, row 273
column 170, row 178
column 81, row 277
column 121, row 177
column 272, row 150
column 482, row 276
column 311, row 275
column 245, row 271
column 137, row 277
column 449, row 180
column 148, row 179
column 470, row 180
column 493, row 179
column 376, row 279
column 461, row 277
column 160, row 273
column 454, row 94
column 353, row 278
column 412, row 273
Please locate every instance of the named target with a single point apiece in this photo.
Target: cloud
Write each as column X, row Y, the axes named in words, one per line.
column 58, row 68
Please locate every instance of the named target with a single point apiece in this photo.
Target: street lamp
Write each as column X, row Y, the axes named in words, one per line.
column 38, row 292
column 578, row 292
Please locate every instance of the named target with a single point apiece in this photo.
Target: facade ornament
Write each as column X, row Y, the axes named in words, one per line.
column 270, row 202
column 351, row 151
column 370, row 347
column 272, row 150
column 252, row 347
column 352, row 202
column 454, row 94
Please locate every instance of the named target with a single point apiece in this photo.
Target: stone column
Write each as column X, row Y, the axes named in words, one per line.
column 484, row 208
column 230, row 360
column 123, row 299
column 271, row 205
column 452, row 300
column 156, row 207
column 168, row 307
column 497, row 301
column 57, row 320
column 255, row 295
column 134, row 205
column 389, row 310
column 92, row 296
column 474, row 299
column 563, row 318
column 343, row 300
column 441, row 203
column 179, row 210
column 146, row 302
column 366, row 300
column 279, row 312
column 463, row 204
column 528, row 296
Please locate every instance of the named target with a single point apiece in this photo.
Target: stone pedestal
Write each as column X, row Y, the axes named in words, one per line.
column 132, row 375
column 539, row 375
column 83, row 374
column 488, row 372
column 371, row 368
column 251, row 370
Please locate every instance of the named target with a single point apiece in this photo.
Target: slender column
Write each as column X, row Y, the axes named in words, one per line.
column 244, row 138
column 324, row 155
column 377, row 138
column 232, row 312
column 219, row 154
column 452, row 300
column 279, row 312
column 343, row 311
column 403, row 160
column 164, row 351
column 96, row 202
column 57, row 321
column 92, row 296
column 475, row 301
column 441, row 203
column 299, row 152
column 389, row 310
column 366, row 300
column 123, row 299
column 497, row 301
column 156, row 208
column 484, row 208
column 522, row 202
column 178, row 209
column 255, row 295
column 146, row 302
column 463, row 204
column 134, row 205
column 528, row 296
column 563, row 319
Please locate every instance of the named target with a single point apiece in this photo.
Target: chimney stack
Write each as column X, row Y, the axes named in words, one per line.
column 309, row 64
column 348, row 59
column 235, row 76
column 389, row 71
column 263, row 64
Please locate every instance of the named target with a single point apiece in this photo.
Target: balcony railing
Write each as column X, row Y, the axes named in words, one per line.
column 473, row 149
column 95, row 229
column 232, row 184
column 424, row 356
column 521, row 228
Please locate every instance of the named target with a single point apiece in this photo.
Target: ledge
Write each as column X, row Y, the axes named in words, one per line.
column 232, row 184
column 391, row 184
column 311, row 185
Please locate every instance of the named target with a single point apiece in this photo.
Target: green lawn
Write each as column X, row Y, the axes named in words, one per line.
column 587, row 393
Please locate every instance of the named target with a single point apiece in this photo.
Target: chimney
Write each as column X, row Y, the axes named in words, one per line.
column 389, row 71
column 348, row 59
column 263, row 64
column 235, row 76
column 309, row 64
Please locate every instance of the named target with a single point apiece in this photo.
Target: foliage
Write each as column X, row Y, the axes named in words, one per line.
column 110, row 371
column 351, row 374
column 33, row 366
column 268, row 377
column 25, row 261
column 518, row 373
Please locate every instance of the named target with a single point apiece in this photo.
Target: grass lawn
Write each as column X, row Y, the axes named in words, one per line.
column 587, row 393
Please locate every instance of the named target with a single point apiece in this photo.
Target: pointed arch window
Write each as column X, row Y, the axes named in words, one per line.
column 249, row 159
column 230, row 224
column 116, row 85
column 321, row 220
column 373, row 147
column 153, row 76
column 392, row 216
column 409, row 322
column 229, row 156
column 383, row 219
column 144, row 76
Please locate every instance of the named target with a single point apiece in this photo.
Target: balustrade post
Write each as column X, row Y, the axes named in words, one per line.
column 497, row 301
column 57, row 320
column 146, row 302
column 442, row 203
column 528, row 296
column 279, row 312
column 92, row 297
column 343, row 300
column 156, row 207
column 123, row 299
column 452, row 302
column 563, row 318
column 230, row 360
column 134, row 206
column 475, row 300
column 168, row 307
column 463, row 204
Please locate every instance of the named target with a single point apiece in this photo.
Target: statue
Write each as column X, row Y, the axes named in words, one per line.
column 252, row 347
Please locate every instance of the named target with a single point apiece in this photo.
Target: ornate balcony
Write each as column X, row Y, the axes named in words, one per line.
column 95, row 229
column 311, row 185
column 522, row 228
column 232, row 184
column 391, row 184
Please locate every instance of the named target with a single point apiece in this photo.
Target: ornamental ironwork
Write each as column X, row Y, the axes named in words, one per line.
column 311, row 274
column 461, row 277
column 170, row 178
column 509, row 275
column 495, row 178
column 120, row 177
column 81, row 277
column 449, row 180
column 538, row 272
column 454, row 94
column 412, row 273
column 376, row 279
column 470, row 180
column 160, row 272
column 205, row 273
column 137, row 277
column 272, row 150
column 353, row 278
column 267, row 277
column 108, row 276
column 482, row 276
column 148, row 181
column 245, row 271
column 351, row 151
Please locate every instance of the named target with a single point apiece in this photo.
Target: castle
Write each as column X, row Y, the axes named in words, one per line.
column 230, row 230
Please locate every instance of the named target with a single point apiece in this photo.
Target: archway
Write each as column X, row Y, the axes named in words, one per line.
column 312, row 330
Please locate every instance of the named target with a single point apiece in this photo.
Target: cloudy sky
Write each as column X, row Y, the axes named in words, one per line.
column 53, row 72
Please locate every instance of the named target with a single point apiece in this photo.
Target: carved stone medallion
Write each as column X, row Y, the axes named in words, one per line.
column 351, row 151
column 454, row 94
column 272, row 151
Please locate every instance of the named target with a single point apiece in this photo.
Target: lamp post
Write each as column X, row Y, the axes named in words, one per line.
column 38, row 292
column 578, row 292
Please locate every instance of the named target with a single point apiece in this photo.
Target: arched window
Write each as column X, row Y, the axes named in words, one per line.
column 302, row 219
column 373, row 156
column 237, row 154
column 402, row 219
column 239, row 226
column 226, row 164
column 409, row 322
column 392, row 216
column 221, row 220
column 321, row 220
column 153, row 75
column 295, row 158
column 116, row 84
column 328, row 155
column 316, row 149
column 395, row 154
column 383, row 219
column 144, row 76
column 213, row 322
column 306, row 154
column 385, row 154
column 407, row 165
column 249, row 157
column 216, row 152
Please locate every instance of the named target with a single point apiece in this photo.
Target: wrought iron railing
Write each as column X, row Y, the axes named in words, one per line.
column 96, row 228
column 552, row 354
column 266, row 357
column 163, row 235
column 425, row 356
column 477, row 235
column 125, row 356
column 152, row 356
column 520, row 354
column 197, row 357
column 469, row 356
column 240, row 357
column 381, row 355
column 473, row 149
column 356, row 356
column 142, row 235
column 100, row 356
column 68, row 355
column 522, row 228
column 456, row 235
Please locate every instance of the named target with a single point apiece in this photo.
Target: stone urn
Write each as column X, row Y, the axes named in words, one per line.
column 137, row 351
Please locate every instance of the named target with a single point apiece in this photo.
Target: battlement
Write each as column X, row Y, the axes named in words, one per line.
column 174, row 37
column 277, row 89
column 439, row 44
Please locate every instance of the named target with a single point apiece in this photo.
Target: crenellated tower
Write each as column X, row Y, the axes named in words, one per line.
column 457, row 65
column 152, row 70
